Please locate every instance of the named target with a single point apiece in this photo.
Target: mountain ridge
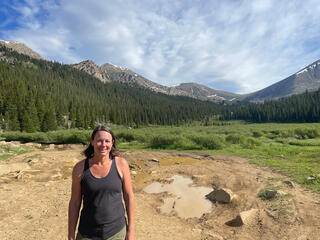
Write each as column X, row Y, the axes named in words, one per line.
column 307, row 78
column 21, row 48
column 125, row 75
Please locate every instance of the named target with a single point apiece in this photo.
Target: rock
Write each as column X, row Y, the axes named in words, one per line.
column 248, row 218
column 38, row 145
column 289, row 183
column 153, row 172
column 311, row 178
column 18, row 175
column 154, row 160
column 60, row 146
column 281, row 193
column 271, row 193
column 29, row 144
column 194, row 177
column 134, row 166
column 221, row 195
column 51, row 146
column 133, row 172
column 271, row 214
column 165, row 180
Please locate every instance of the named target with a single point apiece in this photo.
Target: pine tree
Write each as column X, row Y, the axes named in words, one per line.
column 49, row 120
column 27, row 125
column 12, row 118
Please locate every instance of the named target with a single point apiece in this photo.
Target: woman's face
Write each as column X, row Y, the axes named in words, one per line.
column 102, row 143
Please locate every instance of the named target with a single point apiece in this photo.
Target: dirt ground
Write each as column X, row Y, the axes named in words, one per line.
column 35, row 191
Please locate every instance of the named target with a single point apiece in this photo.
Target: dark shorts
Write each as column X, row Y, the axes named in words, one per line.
column 121, row 235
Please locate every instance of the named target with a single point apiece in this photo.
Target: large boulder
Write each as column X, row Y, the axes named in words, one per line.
column 249, row 218
column 222, row 195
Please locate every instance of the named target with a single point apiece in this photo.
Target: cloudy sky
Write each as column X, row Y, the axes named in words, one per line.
column 237, row 46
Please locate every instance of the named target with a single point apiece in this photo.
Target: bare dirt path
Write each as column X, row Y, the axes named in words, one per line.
column 35, row 191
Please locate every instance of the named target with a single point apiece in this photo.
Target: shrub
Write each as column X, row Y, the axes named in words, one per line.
column 162, row 142
column 235, row 139
column 209, row 142
column 125, row 136
column 286, row 133
column 186, row 143
column 257, row 134
column 250, row 143
column 305, row 133
column 310, row 142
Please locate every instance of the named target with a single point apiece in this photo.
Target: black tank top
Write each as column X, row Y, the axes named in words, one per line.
column 102, row 213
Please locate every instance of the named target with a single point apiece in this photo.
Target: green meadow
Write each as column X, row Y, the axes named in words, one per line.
column 292, row 149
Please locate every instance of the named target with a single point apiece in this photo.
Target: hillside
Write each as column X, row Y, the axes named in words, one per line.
column 20, row 48
column 302, row 108
column 40, row 95
column 202, row 92
column 306, row 79
column 124, row 75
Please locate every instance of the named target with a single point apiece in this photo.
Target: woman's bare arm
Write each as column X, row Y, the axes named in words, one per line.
column 75, row 200
column 128, row 196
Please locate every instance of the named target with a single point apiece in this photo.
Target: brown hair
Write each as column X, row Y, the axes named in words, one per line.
column 89, row 151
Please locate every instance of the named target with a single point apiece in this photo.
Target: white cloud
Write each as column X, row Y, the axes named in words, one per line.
column 248, row 45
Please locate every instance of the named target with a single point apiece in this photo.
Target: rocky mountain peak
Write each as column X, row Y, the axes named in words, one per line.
column 93, row 69
column 21, row 48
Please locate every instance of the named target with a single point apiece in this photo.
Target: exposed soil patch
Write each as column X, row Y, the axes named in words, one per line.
column 35, row 191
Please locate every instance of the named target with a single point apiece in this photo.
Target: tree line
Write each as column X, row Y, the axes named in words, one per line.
column 39, row 95
column 297, row 108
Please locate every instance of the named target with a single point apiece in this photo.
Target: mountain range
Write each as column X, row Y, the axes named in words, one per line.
column 307, row 78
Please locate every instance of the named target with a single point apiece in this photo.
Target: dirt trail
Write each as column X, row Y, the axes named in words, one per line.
column 34, row 197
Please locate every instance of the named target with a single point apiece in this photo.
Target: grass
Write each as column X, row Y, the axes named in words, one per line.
column 10, row 150
column 292, row 149
column 263, row 192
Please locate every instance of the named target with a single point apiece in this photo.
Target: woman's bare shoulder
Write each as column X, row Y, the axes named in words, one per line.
column 78, row 167
column 121, row 162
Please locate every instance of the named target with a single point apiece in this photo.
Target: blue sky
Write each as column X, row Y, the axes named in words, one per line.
column 237, row 46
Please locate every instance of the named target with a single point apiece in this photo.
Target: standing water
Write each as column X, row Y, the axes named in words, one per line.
column 188, row 201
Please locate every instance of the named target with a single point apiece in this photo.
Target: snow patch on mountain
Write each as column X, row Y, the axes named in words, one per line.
column 308, row 68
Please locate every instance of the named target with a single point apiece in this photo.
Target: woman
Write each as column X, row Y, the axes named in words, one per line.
column 99, row 181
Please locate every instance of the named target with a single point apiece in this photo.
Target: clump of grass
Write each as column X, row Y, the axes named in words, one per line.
column 58, row 137
column 235, row 139
column 257, row 134
column 209, row 142
column 185, row 143
column 125, row 136
column 129, row 136
column 306, row 133
column 251, row 143
column 162, row 142
column 307, row 142
column 8, row 150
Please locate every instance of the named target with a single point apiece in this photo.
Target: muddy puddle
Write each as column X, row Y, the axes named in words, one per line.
column 186, row 201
